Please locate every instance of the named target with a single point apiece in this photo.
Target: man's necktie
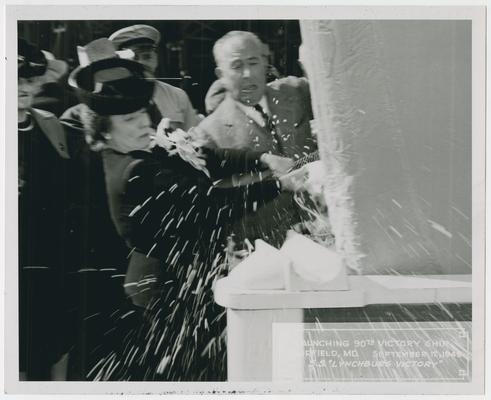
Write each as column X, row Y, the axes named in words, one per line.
column 270, row 127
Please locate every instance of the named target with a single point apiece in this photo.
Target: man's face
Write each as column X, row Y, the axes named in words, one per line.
column 146, row 55
column 243, row 70
column 26, row 89
column 130, row 132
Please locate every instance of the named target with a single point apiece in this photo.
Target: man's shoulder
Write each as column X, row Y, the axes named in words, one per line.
column 291, row 90
column 289, row 83
column 223, row 111
column 171, row 91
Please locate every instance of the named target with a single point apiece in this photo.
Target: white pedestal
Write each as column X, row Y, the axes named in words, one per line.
column 249, row 342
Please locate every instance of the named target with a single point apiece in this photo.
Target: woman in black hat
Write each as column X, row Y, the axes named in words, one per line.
column 164, row 204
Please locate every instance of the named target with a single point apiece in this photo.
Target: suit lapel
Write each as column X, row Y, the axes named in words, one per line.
column 243, row 130
column 53, row 130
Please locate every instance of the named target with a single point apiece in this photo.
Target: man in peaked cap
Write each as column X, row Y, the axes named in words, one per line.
column 143, row 40
column 172, row 102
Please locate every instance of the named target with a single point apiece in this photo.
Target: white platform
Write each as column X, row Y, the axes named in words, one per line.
column 364, row 290
column 251, row 313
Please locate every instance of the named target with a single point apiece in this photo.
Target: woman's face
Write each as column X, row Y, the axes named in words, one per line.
column 130, row 132
column 26, row 89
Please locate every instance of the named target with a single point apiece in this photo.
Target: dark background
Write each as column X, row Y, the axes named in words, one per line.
column 185, row 50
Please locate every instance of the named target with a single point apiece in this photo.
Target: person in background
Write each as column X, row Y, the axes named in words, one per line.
column 172, row 102
column 169, row 101
column 168, row 210
column 254, row 115
column 43, row 156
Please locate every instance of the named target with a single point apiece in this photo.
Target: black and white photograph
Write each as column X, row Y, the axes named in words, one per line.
column 244, row 200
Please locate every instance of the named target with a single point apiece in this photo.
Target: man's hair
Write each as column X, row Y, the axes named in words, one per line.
column 94, row 126
column 220, row 44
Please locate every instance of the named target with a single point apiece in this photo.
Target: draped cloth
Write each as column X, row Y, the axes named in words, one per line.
column 388, row 146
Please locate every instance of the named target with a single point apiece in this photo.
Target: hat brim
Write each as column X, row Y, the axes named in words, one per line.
column 54, row 71
column 137, row 95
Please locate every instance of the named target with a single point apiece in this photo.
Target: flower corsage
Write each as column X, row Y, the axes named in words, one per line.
column 180, row 142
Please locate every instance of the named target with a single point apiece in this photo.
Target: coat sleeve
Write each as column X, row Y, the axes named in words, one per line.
column 222, row 163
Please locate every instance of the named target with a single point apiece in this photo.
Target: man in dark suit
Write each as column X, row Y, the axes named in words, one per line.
column 251, row 108
column 272, row 117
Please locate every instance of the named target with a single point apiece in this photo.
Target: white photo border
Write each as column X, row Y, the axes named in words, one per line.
column 477, row 14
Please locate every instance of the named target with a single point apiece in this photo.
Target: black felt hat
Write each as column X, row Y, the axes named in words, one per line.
column 108, row 83
column 33, row 62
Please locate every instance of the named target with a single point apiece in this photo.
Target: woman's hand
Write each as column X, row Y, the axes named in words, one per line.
column 278, row 165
